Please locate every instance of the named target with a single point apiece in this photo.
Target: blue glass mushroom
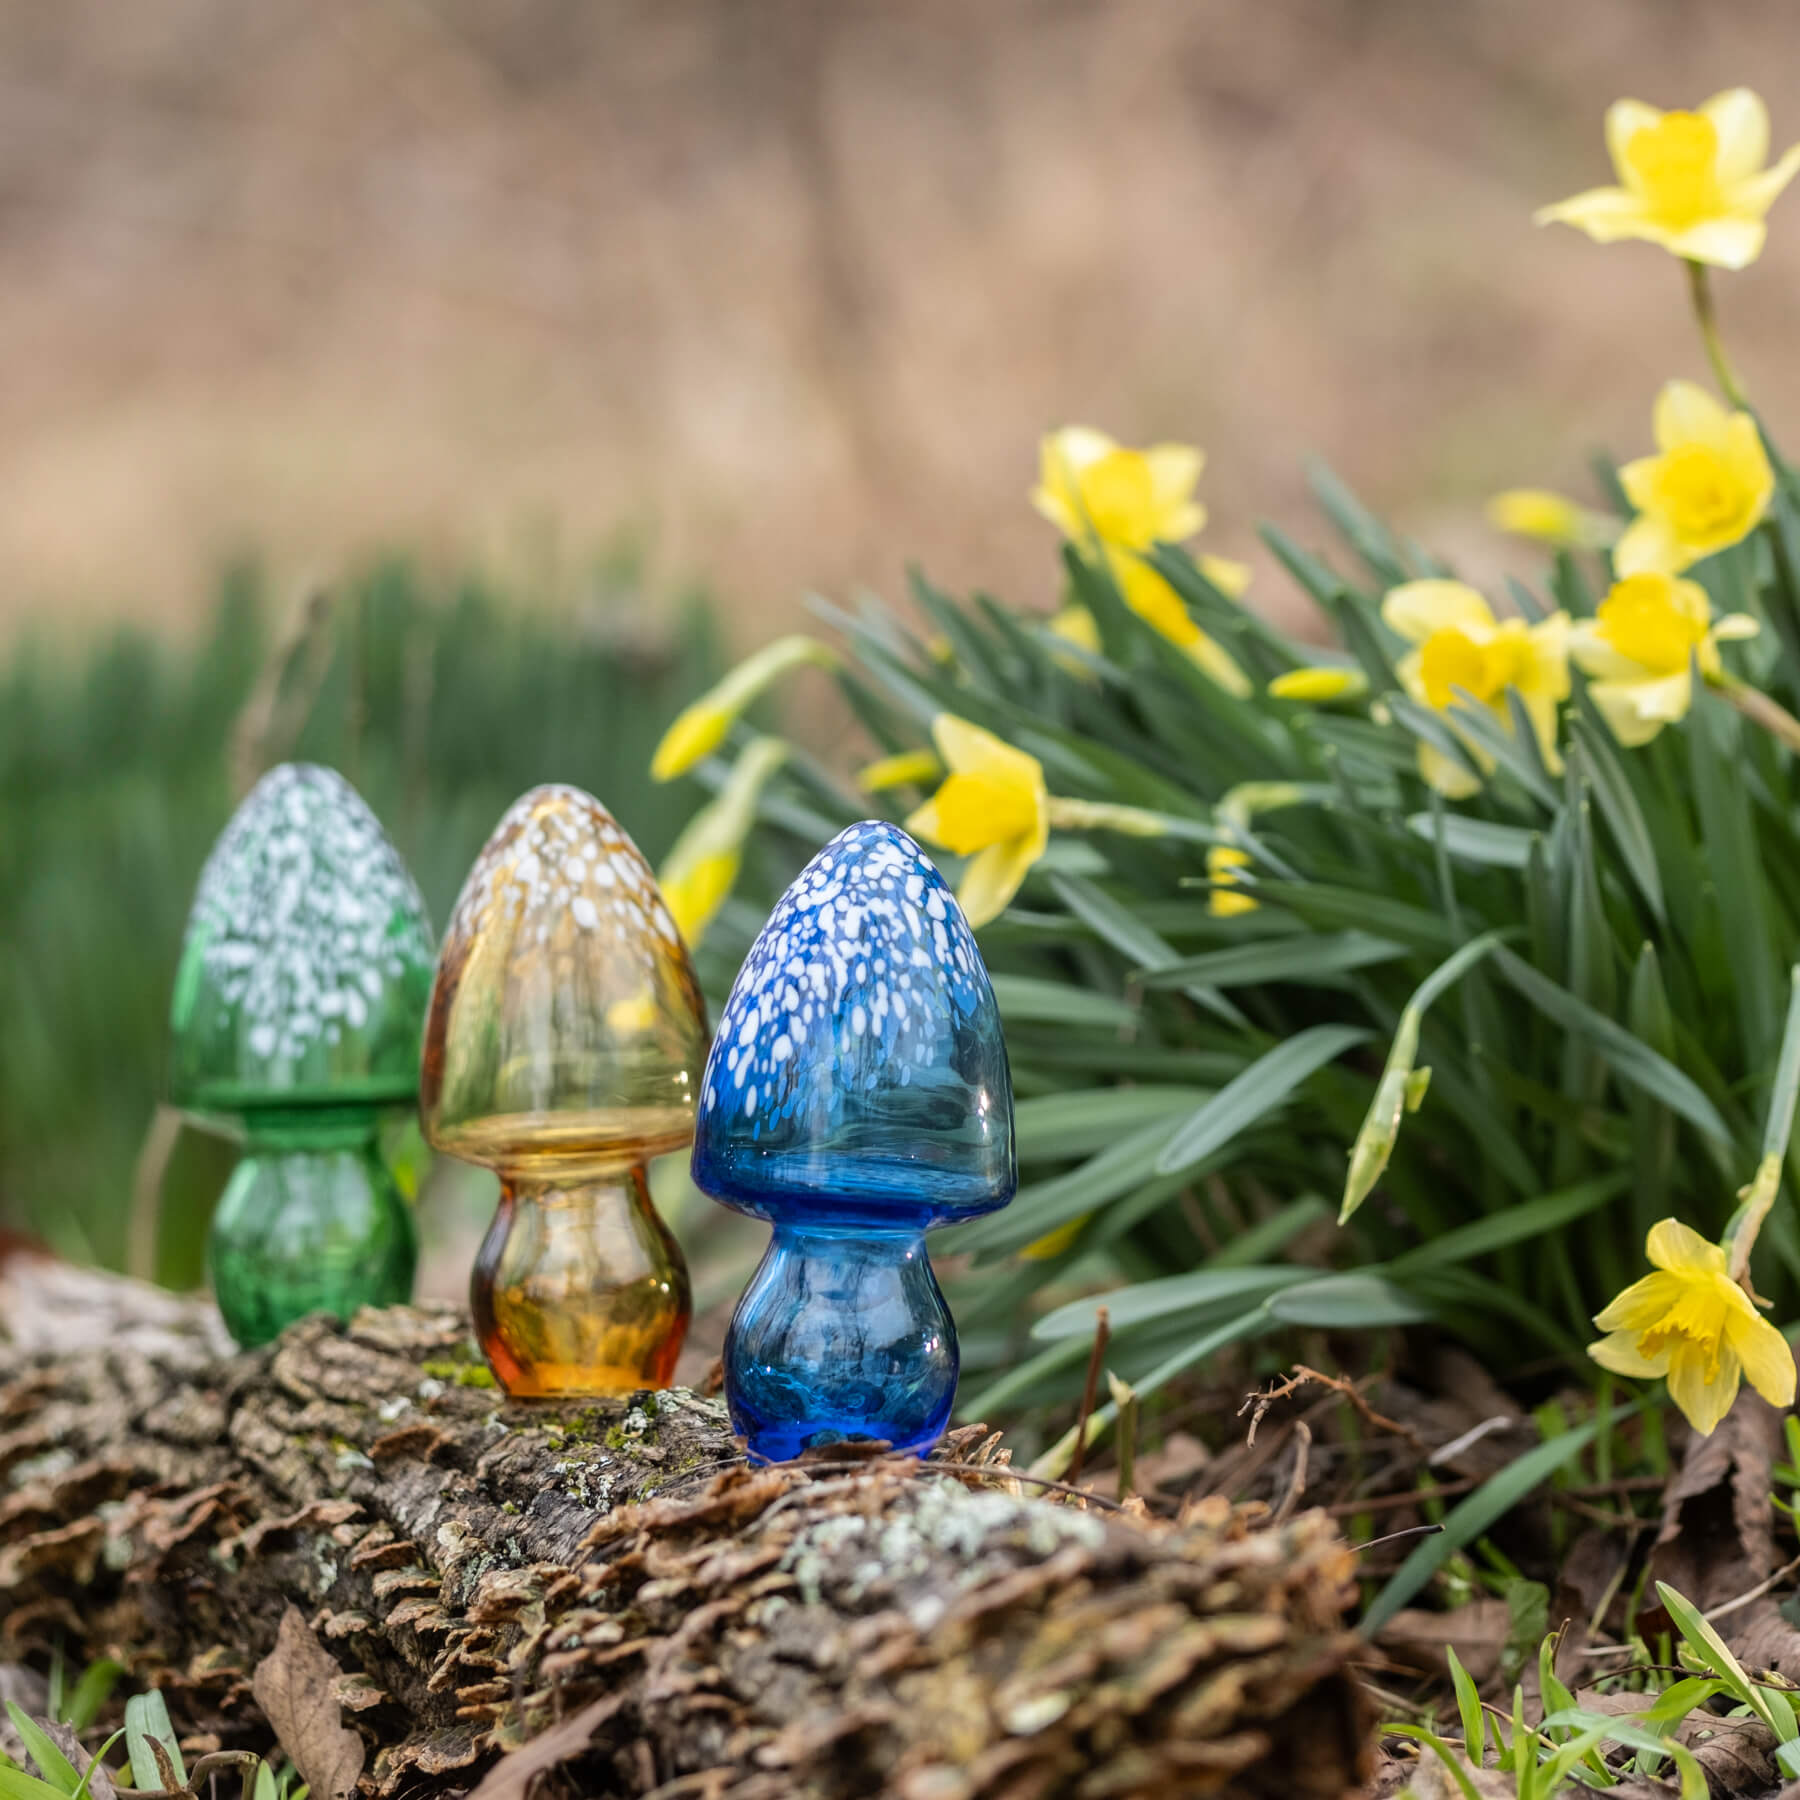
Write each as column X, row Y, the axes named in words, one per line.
column 856, row 1095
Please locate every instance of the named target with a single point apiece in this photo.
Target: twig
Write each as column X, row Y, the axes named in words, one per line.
column 1755, row 1593
column 1297, row 1485
column 1090, row 1389
column 927, row 1466
column 144, row 1222
column 1445, row 1490
column 1393, row 1537
column 1338, row 1384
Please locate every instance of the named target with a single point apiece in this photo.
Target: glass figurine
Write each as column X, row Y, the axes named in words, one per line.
column 295, row 1023
column 563, row 1050
column 857, row 1094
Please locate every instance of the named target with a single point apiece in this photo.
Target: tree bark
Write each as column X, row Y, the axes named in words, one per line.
column 610, row 1585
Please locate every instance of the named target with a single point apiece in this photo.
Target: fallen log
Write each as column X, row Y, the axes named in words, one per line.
column 505, row 1588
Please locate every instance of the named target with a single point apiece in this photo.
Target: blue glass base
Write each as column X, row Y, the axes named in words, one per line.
column 841, row 1336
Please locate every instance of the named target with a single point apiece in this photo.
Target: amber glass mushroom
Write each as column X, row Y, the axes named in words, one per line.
column 563, row 1050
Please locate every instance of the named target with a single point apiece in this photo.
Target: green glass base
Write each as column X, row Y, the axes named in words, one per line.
column 305, row 1230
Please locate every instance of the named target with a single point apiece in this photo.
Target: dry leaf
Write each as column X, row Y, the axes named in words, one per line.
column 293, row 1686
column 1416, row 1639
column 1717, row 1540
column 99, row 1783
column 511, row 1777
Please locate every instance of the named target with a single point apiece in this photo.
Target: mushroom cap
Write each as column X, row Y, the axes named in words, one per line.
column 859, row 1069
column 566, row 1028
column 307, row 961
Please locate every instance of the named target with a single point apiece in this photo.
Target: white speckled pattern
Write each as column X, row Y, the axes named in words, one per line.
column 867, row 967
column 296, row 908
column 569, row 856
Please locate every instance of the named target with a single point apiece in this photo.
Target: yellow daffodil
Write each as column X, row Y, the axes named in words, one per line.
column 1693, row 182
column 1225, row 864
column 1091, row 487
column 1320, row 685
column 1463, row 648
column 1101, row 495
column 993, row 809
column 1693, row 1324
column 1707, row 487
column 700, row 728
column 702, row 868
column 1641, row 649
column 1551, row 519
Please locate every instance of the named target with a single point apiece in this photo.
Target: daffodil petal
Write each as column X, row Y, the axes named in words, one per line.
column 1686, row 414
column 1703, row 1403
column 1682, row 1250
column 1731, row 241
column 1757, row 193
column 1606, row 214
column 1736, row 626
column 1624, row 120
column 923, row 822
column 969, row 750
column 1648, row 546
column 1596, row 657
column 1641, row 1304
column 1638, row 479
column 1062, row 455
column 1742, row 122
column 1767, row 1357
column 1416, row 609
column 1621, row 705
column 992, row 877
column 1174, row 473
column 1451, row 779
column 1619, row 1353
column 1219, row 665
column 1230, row 578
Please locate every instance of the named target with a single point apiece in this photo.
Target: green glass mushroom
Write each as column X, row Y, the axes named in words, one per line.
column 295, row 1025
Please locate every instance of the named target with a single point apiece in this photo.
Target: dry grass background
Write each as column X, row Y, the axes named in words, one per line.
column 792, row 286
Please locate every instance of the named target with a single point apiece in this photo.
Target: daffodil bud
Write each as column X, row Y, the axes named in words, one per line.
column 700, row 728
column 1319, row 685
column 905, row 768
column 702, row 868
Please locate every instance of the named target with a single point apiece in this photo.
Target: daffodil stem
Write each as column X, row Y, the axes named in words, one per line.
column 1099, row 815
column 1758, row 1201
column 1700, row 288
column 1759, row 709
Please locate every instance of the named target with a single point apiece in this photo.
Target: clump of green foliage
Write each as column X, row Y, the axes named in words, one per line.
column 441, row 700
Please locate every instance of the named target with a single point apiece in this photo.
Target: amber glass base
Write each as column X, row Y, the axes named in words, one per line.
column 579, row 1288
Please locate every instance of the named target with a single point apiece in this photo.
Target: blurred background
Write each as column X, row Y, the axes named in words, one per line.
column 444, row 388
